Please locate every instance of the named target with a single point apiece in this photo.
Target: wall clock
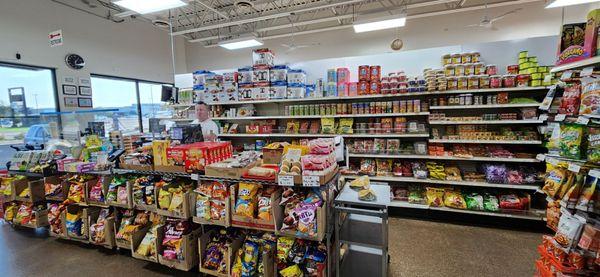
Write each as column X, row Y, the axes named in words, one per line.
column 74, row 61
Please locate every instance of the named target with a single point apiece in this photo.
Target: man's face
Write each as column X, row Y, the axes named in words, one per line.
column 202, row 112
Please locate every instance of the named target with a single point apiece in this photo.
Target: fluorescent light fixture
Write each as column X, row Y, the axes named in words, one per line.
column 240, row 43
column 380, row 24
column 563, row 3
column 149, row 6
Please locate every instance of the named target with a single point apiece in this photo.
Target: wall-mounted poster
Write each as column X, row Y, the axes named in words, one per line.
column 85, row 91
column 85, row 82
column 84, row 102
column 69, row 90
column 69, row 80
column 70, row 102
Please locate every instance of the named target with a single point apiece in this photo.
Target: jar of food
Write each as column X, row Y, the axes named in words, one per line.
column 491, row 69
column 446, row 59
column 417, row 106
column 473, row 82
column 484, row 81
column 461, row 100
column 475, row 57
column 459, row 70
column 469, row 69
column 465, row 58
column 452, row 83
column 509, row 81
column 523, row 80
column 456, row 58
column 403, row 106
column 478, row 68
column 513, row 69
column 449, row 70
column 496, row 81
column 468, row 99
column 462, row 83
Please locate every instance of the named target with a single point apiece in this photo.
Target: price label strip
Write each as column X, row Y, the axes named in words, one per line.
column 311, row 181
column 540, row 157
column 560, row 117
column 586, row 72
column 285, row 180
column 574, row 167
column 582, row 120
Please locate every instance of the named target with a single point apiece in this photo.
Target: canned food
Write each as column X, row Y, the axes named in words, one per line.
column 473, row 82
column 496, row 81
column 469, row 69
column 465, row 58
column 491, row 69
column 509, row 81
column 462, row 83
column 446, row 59
column 484, row 81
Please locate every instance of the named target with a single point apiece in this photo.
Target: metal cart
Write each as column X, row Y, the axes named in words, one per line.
column 361, row 232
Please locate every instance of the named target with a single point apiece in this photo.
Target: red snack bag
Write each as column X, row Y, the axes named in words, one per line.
column 569, row 104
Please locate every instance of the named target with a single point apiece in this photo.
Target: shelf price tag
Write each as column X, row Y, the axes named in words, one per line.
column 548, row 78
column 582, row 120
column 540, row 157
column 552, row 161
column 594, row 173
column 566, row 75
column 588, row 71
column 560, row 117
column 194, row 177
column 311, row 181
column 574, row 167
column 285, row 180
column 543, row 117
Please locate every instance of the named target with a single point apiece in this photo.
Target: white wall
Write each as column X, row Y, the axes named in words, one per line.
column 532, row 21
column 131, row 49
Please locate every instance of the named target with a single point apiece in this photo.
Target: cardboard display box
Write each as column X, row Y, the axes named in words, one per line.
column 226, row 221
column 272, row 156
column 189, row 246
column 63, row 229
column 11, row 189
column 129, row 204
column 321, row 220
column 84, row 200
column 64, row 188
column 41, row 220
column 36, row 190
column 169, row 168
column 213, row 171
column 109, row 230
column 135, row 243
column 84, row 226
column 323, row 179
column 185, row 211
column 229, row 256
column 137, row 235
column 105, row 183
column 124, row 165
column 254, row 223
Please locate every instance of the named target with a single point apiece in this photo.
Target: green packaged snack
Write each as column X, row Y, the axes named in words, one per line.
column 474, row 201
column 416, row 195
column 345, row 126
column 490, row 203
column 593, row 148
column 328, row 125
column 571, row 136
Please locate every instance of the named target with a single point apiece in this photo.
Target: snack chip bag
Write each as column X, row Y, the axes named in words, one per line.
column 569, row 228
column 571, row 136
column 76, row 192
column 327, row 125
column 250, row 259
column 164, row 199
column 555, row 176
column 202, row 206
column 292, row 271
column 96, row 193
column 122, row 195
column 435, row 197
column 474, row 201
column 217, row 209
column 307, row 219
column 490, row 203
column 264, row 207
column 176, row 201
column 24, row 193
column 246, row 199
column 586, row 198
column 284, row 245
column 590, row 96
column 74, row 224
column 454, row 199
column 345, row 126
column 593, row 148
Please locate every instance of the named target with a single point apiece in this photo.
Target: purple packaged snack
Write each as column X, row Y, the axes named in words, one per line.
column 495, row 173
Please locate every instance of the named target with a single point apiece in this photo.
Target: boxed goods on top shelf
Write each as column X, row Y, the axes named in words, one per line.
column 404, row 106
column 470, row 99
column 188, row 157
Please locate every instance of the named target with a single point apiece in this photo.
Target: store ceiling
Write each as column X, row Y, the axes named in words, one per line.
column 211, row 21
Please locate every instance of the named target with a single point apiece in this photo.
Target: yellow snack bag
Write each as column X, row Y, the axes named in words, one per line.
column 24, row 193
column 292, row 271
column 345, row 126
column 164, row 199
column 435, row 197
column 176, row 201
column 327, row 125
column 555, row 176
column 246, row 199
column 454, row 199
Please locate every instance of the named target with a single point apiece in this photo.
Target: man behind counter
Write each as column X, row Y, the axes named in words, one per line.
column 210, row 129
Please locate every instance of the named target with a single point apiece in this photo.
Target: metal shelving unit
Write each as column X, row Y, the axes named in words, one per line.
column 279, row 135
column 577, row 65
column 475, row 107
column 477, row 141
column 536, row 215
column 448, row 182
column 485, row 122
column 319, row 116
column 445, row 158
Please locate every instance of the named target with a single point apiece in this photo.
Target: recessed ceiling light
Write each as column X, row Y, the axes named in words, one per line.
column 563, row 3
column 240, row 43
column 149, row 6
column 380, row 24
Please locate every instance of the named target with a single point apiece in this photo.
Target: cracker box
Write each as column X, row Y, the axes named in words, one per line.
column 571, row 44
column 263, row 56
column 260, row 74
column 343, row 75
column 244, row 76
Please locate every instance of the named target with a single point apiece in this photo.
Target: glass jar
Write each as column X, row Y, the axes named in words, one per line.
column 479, row 68
column 462, row 83
column 495, row 81
column 459, row 70
column 456, row 58
column 523, row 80
column 469, row 69
column 491, row 69
column 452, row 83
column 509, row 81
column 484, row 81
column 475, row 57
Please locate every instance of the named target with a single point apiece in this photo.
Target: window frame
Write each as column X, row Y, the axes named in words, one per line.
column 137, row 91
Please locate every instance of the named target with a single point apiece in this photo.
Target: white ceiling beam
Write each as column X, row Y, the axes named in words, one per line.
column 220, row 13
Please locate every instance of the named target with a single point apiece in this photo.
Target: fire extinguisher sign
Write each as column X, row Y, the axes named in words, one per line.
column 55, row 38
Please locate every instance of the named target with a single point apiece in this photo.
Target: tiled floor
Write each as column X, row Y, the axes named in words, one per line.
column 417, row 248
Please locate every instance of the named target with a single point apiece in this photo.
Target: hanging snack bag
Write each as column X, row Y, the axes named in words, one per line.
column 435, row 197
column 588, row 194
column 76, row 192
column 264, row 204
column 384, row 167
column 307, row 219
column 555, row 176
column 590, row 96
column 593, row 147
column 571, row 136
column 246, row 199
column 568, row 231
column 202, row 206
column 569, row 103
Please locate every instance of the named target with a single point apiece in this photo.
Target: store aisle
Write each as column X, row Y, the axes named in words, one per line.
column 418, row 248
column 426, row 248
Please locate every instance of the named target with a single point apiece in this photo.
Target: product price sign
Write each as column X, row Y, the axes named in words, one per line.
column 543, row 117
column 574, row 167
column 194, row 177
column 594, row 173
column 540, row 157
column 566, row 75
column 582, row 120
column 586, row 72
column 311, row 181
column 560, row 117
column 552, row 161
column 285, row 180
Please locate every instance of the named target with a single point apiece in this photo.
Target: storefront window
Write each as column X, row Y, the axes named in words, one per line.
column 114, row 93
column 25, row 92
column 150, row 103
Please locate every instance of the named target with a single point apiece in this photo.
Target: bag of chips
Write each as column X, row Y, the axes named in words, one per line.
column 454, row 199
column 345, row 126
column 176, row 201
column 76, row 192
column 474, row 201
column 490, row 203
column 571, row 136
column 122, row 195
column 327, row 125
column 292, row 271
column 217, row 209
column 284, row 245
column 593, row 147
column 202, row 206
column 568, row 231
column 246, row 199
column 250, row 260
column 435, row 197
column 175, row 229
column 587, row 196
column 555, row 176
column 307, row 219
column 264, row 206
column 96, row 192
column 74, row 224
column 164, row 199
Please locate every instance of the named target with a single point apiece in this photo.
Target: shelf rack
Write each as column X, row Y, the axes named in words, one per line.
column 576, row 65
column 477, row 141
column 496, row 106
column 279, row 135
column 319, row 116
column 485, row 122
column 447, row 182
column 536, row 215
column 445, row 158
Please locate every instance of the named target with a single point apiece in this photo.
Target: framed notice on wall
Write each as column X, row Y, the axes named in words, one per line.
column 70, row 102
column 69, row 90
column 84, row 102
column 85, row 91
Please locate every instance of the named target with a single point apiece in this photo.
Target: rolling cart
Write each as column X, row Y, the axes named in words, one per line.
column 361, row 232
